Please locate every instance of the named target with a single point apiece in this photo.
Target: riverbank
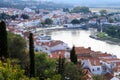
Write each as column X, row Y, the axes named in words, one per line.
column 107, row 39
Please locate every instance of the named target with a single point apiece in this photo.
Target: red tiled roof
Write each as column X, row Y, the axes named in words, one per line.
column 94, row 61
column 56, row 54
column 52, row 43
column 108, row 76
column 104, row 55
column 81, row 50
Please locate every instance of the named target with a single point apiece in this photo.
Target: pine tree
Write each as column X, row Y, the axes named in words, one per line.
column 3, row 40
column 31, row 54
column 73, row 56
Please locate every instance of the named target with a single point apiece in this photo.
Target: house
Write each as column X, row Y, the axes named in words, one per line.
column 83, row 52
column 93, row 21
column 92, row 64
column 56, row 54
column 114, row 78
column 50, row 45
column 98, row 62
column 108, row 76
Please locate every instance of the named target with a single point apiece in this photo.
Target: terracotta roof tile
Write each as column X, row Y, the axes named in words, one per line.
column 56, row 54
column 81, row 50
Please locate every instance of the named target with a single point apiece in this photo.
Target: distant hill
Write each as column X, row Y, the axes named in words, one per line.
column 21, row 4
column 91, row 3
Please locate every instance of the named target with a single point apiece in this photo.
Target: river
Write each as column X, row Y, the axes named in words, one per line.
column 81, row 38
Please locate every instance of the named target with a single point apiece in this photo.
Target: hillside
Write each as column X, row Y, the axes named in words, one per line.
column 91, row 3
column 21, row 4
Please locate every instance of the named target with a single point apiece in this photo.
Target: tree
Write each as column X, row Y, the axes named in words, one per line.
column 82, row 72
column 48, row 21
column 17, row 48
column 71, row 71
column 11, row 72
column 98, row 77
column 37, row 11
column 44, row 67
column 13, row 17
column 56, row 77
column 103, row 12
column 31, row 54
column 60, row 67
column 110, row 20
column 74, row 72
column 65, row 10
column 75, row 21
column 79, row 9
column 83, row 20
column 3, row 40
column 24, row 16
column 111, row 31
column 73, row 56
column 4, row 16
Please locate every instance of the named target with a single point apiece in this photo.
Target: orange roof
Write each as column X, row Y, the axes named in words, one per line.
column 52, row 43
column 81, row 50
column 108, row 76
column 93, row 61
column 104, row 55
column 56, row 54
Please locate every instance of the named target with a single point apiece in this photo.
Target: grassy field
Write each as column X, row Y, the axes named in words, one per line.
column 108, row 9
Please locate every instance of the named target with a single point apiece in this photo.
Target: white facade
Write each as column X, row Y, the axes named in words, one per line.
column 96, row 70
column 86, row 63
column 28, row 10
column 30, row 23
column 48, row 49
column 61, row 46
column 114, row 78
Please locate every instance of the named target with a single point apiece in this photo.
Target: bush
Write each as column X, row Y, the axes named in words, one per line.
column 11, row 72
column 102, row 35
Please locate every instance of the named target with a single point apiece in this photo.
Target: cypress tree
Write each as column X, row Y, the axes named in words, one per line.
column 73, row 56
column 3, row 40
column 61, row 66
column 31, row 54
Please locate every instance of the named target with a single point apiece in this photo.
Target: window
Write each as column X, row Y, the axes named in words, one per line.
column 98, row 69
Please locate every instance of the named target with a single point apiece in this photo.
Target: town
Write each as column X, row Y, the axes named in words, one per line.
column 24, row 21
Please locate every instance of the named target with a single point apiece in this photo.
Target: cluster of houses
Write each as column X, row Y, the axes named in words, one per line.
column 96, row 62
column 58, row 16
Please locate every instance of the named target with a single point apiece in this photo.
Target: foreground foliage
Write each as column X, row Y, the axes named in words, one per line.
column 44, row 66
column 11, row 71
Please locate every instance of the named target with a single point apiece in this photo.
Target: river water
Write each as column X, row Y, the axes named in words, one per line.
column 81, row 38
